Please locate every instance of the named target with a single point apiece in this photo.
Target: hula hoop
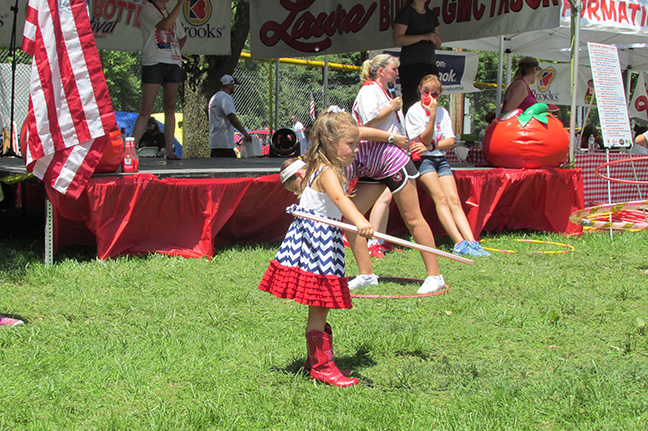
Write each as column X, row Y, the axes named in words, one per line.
column 614, row 162
column 583, row 217
column 569, row 248
column 402, row 279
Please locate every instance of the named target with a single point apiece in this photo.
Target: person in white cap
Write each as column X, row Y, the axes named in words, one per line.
column 223, row 120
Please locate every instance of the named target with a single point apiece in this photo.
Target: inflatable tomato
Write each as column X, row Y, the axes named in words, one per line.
column 113, row 153
column 530, row 139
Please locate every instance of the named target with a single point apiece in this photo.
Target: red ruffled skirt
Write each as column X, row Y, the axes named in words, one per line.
column 307, row 288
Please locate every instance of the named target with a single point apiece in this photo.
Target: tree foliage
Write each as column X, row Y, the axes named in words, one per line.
column 123, row 76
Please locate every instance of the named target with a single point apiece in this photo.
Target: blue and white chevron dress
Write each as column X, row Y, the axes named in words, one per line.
column 309, row 266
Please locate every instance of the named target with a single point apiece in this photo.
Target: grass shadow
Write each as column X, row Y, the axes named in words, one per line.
column 426, row 356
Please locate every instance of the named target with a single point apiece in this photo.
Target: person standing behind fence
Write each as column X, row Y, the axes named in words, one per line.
column 416, row 30
column 297, row 127
column 164, row 38
column 223, row 120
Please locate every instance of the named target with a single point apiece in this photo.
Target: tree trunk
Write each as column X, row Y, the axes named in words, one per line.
column 457, row 113
column 203, row 80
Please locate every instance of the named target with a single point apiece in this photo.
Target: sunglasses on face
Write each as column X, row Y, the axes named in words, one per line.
column 434, row 94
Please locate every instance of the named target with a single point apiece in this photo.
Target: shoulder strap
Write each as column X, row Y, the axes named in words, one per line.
column 315, row 174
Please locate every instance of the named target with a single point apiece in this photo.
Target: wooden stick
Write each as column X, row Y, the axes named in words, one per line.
column 385, row 237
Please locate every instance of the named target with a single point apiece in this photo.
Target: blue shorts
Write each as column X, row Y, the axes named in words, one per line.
column 161, row 73
column 436, row 164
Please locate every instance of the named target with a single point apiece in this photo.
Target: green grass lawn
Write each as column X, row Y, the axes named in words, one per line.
column 521, row 341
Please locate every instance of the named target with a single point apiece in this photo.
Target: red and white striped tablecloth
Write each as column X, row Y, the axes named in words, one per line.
column 475, row 157
column 596, row 188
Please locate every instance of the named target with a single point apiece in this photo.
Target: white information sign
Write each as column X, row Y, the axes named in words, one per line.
column 610, row 95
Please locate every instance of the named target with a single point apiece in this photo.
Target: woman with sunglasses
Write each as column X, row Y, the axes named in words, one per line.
column 430, row 129
column 518, row 95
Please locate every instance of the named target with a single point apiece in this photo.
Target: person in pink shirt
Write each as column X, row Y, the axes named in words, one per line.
column 519, row 95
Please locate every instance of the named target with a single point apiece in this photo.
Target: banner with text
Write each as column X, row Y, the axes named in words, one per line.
column 553, row 85
column 624, row 16
column 282, row 28
column 116, row 25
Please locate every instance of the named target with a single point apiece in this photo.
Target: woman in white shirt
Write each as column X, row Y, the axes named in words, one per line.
column 164, row 38
column 430, row 130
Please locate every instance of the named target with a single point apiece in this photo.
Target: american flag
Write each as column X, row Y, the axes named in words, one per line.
column 312, row 108
column 69, row 104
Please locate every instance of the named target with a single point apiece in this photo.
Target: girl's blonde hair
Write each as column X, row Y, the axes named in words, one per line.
column 327, row 130
column 430, row 78
column 370, row 67
column 525, row 66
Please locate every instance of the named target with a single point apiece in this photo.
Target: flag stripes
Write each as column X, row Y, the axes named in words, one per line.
column 69, row 106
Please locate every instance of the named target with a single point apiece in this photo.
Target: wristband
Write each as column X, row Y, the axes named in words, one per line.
column 434, row 145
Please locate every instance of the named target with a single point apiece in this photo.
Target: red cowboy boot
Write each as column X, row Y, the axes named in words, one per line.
column 309, row 360
column 320, row 350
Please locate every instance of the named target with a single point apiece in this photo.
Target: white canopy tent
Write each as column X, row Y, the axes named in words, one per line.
column 284, row 29
column 542, row 28
column 622, row 23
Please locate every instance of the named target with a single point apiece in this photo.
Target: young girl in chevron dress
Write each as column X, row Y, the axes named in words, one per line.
column 309, row 266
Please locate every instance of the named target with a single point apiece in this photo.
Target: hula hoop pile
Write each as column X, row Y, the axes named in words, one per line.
column 623, row 217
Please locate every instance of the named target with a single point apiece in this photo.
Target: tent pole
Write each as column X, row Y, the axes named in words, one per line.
column 271, row 117
column 500, row 73
column 575, row 32
column 509, row 62
column 628, row 82
column 12, row 50
column 276, row 124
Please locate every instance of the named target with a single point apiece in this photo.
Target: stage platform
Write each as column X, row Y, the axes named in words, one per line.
column 189, row 207
column 188, row 168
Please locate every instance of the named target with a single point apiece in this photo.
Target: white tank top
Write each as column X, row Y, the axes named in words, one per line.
column 320, row 202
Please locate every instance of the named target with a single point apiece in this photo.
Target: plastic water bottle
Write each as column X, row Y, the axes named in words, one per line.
column 591, row 144
column 416, row 156
column 130, row 163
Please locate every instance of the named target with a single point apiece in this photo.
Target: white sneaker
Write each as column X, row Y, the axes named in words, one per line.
column 363, row 281
column 432, row 283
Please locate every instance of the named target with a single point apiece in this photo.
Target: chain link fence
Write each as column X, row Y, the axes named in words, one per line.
column 255, row 102
column 254, row 97
column 20, row 83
